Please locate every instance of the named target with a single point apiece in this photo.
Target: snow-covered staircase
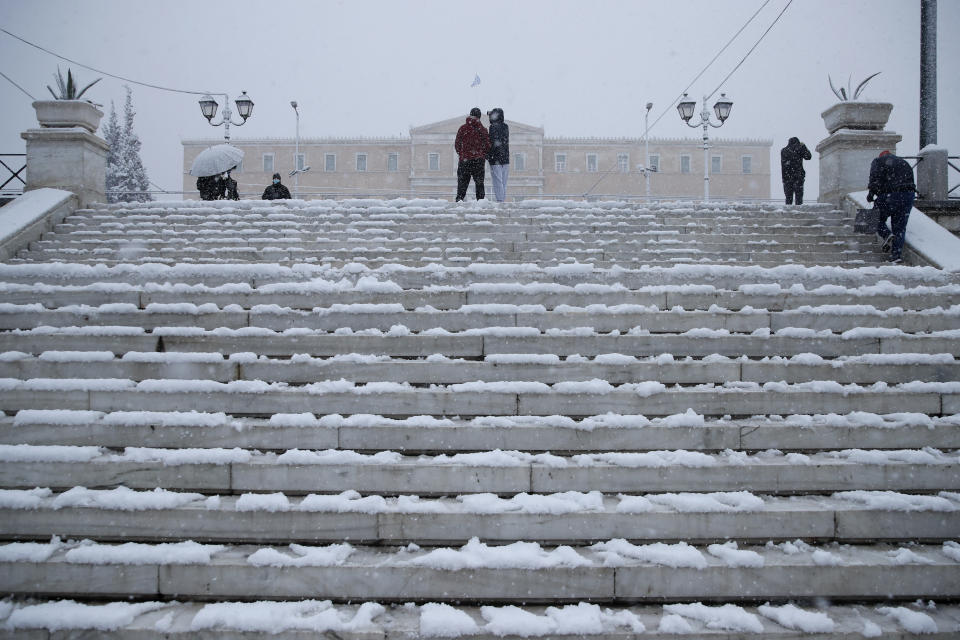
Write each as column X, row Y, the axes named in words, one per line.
column 408, row 418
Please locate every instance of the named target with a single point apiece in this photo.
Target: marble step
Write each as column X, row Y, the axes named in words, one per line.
column 257, row 275
column 614, row 368
column 123, row 515
column 298, row 472
column 299, row 620
column 349, row 573
column 368, row 433
column 307, row 296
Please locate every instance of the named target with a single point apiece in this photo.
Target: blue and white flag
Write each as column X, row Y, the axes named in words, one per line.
column 476, row 81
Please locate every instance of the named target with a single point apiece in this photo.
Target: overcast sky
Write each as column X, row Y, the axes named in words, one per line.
column 377, row 67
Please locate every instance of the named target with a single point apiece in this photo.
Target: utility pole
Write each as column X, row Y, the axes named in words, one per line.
column 928, row 72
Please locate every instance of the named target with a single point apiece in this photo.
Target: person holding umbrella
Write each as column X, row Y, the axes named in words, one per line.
column 227, row 186
column 212, row 166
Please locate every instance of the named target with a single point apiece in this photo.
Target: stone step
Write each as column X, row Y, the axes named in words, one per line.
column 614, row 368
column 122, row 515
column 611, row 572
column 768, row 262
column 560, row 435
column 731, row 277
column 601, row 318
column 760, row 256
column 299, row 472
column 298, row 620
column 259, row 398
column 307, row 295
column 474, row 344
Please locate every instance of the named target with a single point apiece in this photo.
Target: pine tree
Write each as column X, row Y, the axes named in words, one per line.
column 111, row 133
column 125, row 172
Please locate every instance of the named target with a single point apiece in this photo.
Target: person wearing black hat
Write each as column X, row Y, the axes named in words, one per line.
column 472, row 145
column 894, row 189
column 276, row 191
column 791, row 169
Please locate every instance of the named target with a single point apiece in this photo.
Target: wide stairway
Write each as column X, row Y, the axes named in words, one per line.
column 398, row 419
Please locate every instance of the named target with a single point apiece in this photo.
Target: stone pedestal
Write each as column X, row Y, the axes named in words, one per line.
column 856, row 138
column 72, row 159
column 932, row 174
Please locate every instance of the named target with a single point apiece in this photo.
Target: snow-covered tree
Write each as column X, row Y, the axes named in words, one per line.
column 126, row 175
column 111, row 133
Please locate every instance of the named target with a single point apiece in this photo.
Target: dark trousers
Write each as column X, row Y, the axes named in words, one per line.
column 791, row 189
column 470, row 169
column 895, row 206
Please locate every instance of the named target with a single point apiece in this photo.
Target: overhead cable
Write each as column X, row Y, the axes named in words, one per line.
column 709, row 64
column 747, row 55
column 16, row 85
column 101, row 71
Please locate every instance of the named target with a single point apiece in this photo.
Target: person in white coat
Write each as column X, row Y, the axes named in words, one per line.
column 499, row 154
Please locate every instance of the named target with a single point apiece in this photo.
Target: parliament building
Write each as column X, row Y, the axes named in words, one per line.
column 424, row 165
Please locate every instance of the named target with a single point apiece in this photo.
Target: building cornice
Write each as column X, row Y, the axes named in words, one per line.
column 572, row 141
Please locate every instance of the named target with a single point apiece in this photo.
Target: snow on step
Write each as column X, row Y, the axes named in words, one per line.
column 573, row 383
column 301, row 619
column 611, row 571
column 502, row 472
column 123, row 514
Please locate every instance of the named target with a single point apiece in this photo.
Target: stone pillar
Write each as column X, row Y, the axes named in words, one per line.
column 65, row 153
column 932, row 173
column 856, row 137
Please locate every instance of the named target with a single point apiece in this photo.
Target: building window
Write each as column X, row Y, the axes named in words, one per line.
column 268, row 163
column 716, row 164
column 684, row 164
column 560, row 160
column 393, row 161
column 330, row 162
column 301, row 161
column 623, row 162
column 746, row 164
column 591, row 163
column 361, row 162
column 433, row 162
column 653, row 162
column 519, row 161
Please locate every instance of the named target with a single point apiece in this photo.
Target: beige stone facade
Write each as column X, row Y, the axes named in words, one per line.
column 425, row 165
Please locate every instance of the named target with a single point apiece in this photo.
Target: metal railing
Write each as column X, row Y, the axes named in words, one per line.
column 957, row 169
column 13, row 179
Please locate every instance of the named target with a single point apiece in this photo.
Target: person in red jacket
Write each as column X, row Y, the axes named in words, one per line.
column 472, row 145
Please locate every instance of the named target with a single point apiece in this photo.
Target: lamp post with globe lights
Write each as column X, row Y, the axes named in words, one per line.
column 208, row 106
column 721, row 108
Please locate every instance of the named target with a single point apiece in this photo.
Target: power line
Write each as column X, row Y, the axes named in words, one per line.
column 106, row 73
column 747, row 55
column 16, row 85
column 702, row 71
column 709, row 64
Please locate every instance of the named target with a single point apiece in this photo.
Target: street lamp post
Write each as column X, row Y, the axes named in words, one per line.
column 646, row 148
column 296, row 154
column 721, row 107
column 208, row 106
column 297, row 169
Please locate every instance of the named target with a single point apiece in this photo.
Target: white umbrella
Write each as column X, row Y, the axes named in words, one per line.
column 216, row 159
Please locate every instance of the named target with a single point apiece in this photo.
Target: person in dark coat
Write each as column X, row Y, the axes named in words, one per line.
column 227, row 187
column 499, row 154
column 472, row 145
column 276, row 191
column 892, row 186
column 207, row 186
column 791, row 169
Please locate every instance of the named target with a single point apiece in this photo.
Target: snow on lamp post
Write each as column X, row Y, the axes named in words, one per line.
column 208, row 107
column 721, row 108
